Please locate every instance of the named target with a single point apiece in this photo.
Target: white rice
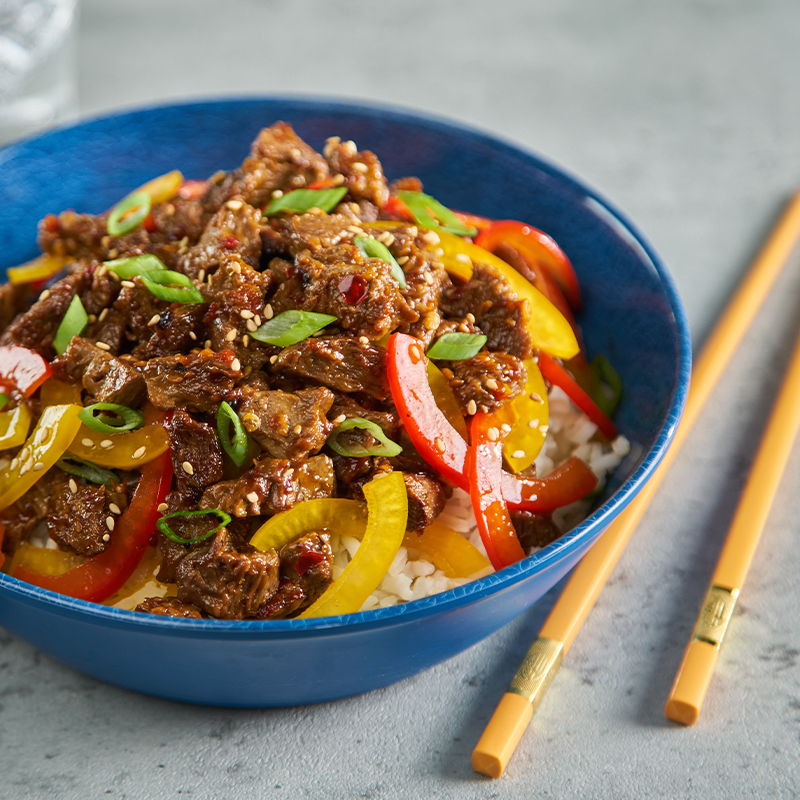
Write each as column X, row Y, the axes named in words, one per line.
column 411, row 576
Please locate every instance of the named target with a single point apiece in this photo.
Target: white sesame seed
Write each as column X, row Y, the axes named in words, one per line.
column 106, row 444
column 231, row 334
column 257, row 320
column 103, row 314
column 103, row 271
column 26, row 467
column 356, row 230
column 25, row 454
column 277, row 193
column 412, row 231
column 246, row 313
column 87, row 442
column 207, row 344
column 470, row 317
column 506, row 427
column 360, row 166
column 268, row 313
column 464, row 328
column 246, row 340
column 73, row 487
column 363, row 340
column 431, row 237
column 252, row 497
column 38, row 466
column 402, row 260
column 415, row 352
column 188, row 468
column 234, row 205
column 92, row 318
column 114, row 508
column 236, row 365
column 463, row 258
column 110, row 523
column 386, row 238
column 14, row 463
column 128, row 284
column 472, row 408
column 340, row 419
column 103, row 345
column 338, row 180
column 42, row 436
column 193, row 336
column 298, row 429
column 106, row 537
column 544, row 429
column 518, row 454
column 428, row 278
column 251, row 325
column 491, row 383
column 533, row 423
column 273, row 359
column 439, row 442
column 438, row 252
column 45, row 294
column 536, row 397
column 201, row 276
column 154, row 320
column 162, row 507
column 493, row 434
column 350, row 147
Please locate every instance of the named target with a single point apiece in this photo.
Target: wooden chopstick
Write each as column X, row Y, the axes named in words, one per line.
column 700, row 659
column 516, row 708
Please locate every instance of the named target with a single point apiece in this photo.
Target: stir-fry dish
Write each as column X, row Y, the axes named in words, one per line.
column 292, row 389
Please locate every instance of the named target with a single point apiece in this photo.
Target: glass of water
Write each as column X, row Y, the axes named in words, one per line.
column 38, row 76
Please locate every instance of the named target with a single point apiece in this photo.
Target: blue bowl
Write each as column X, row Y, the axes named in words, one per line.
column 632, row 314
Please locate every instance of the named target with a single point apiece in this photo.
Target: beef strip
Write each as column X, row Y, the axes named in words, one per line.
column 31, row 509
column 286, row 601
column 287, row 425
column 105, row 377
column 14, row 299
column 198, row 381
column 342, row 363
column 426, row 499
column 534, row 529
column 168, row 607
column 301, row 233
column 179, row 329
column 488, row 380
column 196, row 444
column 225, row 582
column 361, row 171
column 272, row 486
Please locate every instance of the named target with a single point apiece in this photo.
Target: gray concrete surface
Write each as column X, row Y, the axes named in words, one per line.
column 687, row 115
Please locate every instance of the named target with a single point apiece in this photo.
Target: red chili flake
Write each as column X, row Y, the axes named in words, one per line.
column 50, row 223
column 307, row 560
column 230, row 242
column 150, row 224
column 353, row 288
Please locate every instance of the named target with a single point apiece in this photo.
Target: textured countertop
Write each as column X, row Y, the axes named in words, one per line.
column 687, row 116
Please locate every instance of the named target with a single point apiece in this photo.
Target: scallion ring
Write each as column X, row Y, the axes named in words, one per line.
column 113, row 418
column 456, row 346
column 134, row 266
column 235, row 444
column 291, row 327
column 164, row 527
column 386, row 447
column 174, row 287
column 86, row 470
column 301, row 200
column 372, row 248
column 128, row 213
column 73, row 324
column 430, row 213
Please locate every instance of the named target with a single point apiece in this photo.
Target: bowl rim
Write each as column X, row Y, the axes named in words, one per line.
column 469, row 593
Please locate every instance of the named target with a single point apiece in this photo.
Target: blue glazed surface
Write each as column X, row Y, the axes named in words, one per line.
column 632, row 314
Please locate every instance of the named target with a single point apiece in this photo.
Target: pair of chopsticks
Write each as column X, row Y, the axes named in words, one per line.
column 516, row 708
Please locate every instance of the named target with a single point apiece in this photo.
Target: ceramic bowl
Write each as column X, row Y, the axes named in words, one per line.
column 632, row 314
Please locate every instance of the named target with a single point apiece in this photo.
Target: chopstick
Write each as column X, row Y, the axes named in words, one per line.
column 516, row 708
column 702, row 652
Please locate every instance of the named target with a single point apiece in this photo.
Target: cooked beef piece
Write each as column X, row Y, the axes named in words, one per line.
column 170, row 552
column 307, row 563
column 180, row 220
column 33, row 507
column 410, row 184
column 236, row 293
column 488, row 379
column 341, row 362
column 426, row 499
column 358, row 213
column 14, row 299
column 139, row 307
column 180, row 328
column 288, row 599
column 314, row 233
column 534, row 529
column 79, row 520
column 233, row 230
column 107, row 378
column 349, row 469
column 279, row 159
column 362, row 172
column 362, row 294
column 196, row 444
column 286, row 424
column 168, row 607
column 198, row 381
column 225, row 582
column 273, row 485
column 346, row 406
column 498, row 312
column 465, row 325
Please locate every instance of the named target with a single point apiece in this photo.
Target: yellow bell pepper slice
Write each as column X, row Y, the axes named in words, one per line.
column 446, row 400
column 14, row 426
column 164, row 187
column 387, row 517
column 56, row 393
column 50, row 438
column 120, row 450
column 340, row 516
column 527, row 415
column 39, row 269
column 448, row 550
column 44, row 560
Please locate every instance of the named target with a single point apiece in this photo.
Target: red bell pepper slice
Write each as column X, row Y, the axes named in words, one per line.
column 555, row 374
column 23, row 368
column 485, row 467
column 192, row 189
column 397, row 209
column 323, row 183
column 537, row 247
column 103, row 574
column 474, row 220
column 438, row 442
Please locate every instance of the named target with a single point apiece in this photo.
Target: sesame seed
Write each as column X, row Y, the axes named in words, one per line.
column 464, row 328
column 340, row 419
column 536, row 397
column 106, row 444
column 105, row 241
column 518, row 454
column 431, row 237
column 472, row 408
column 188, row 468
column 201, row 276
column 533, row 423
column 154, row 320
column 251, row 325
column 298, row 429
column 26, row 467
column 73, row 487
column 402, row 260
column 193, row 336
column 356, row 230
column 350, row 147
column 87, row 442
column 114, row 508
column 162, row 507
column 103, row 314
column 252, row 497
column 25, row 454
column 234, row 205
column 415, row 352
column 412, row 231
column 38, row 466
column 438, row 252
column 506, row 427
column 207, row 344
column 277, row 193
column 363, row 340
column 246, row 340
column 544, row 429
column 268, row 311
column 110, row 523
column 45, row 294
column 128, row 284
column 107, row 272
column 439, row 442
column 493, row 434
column 386, row 238
column 103, row 345
column 463, row 258
column 92, row 318
column 246, row 313
column 295, row 153
column 236, row 365
column 14, row 463
column 491, row 383
column 106, row 537
column 231, row 334
column 470, row 317
column 360, row 166
column 428, row 278
column 273, row 359
column 257, row 320
column 338, row 180
column 42, row 435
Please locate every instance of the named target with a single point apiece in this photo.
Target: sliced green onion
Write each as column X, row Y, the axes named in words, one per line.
column 4, row 400
column 608, row 378
column 86, row 470
column 456, row 346
column 120, row 419
column 234, row 445
column 174, row 287
column 386, row 447
column 372, row 248
column 301, row 200
column 128, row 268
column 291, row 327
column 128, row 213
column 73, row 324
column 430, row 213
column 164, row 527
